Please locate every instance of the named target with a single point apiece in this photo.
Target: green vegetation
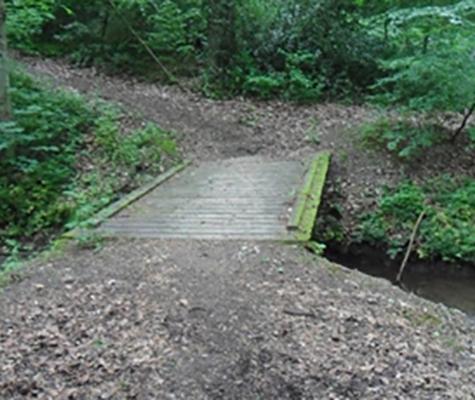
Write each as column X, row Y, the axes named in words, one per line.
column 412, row 53
column 63, row 158
column 308, row 200
column 430, row 71
column 447, row 231
column 99, row 31
column 402, row 137
column 294, row 49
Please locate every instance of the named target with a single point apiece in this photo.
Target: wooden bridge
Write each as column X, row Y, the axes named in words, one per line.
column 244, row 198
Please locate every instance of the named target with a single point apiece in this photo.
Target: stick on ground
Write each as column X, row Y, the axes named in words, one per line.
column 409, row 247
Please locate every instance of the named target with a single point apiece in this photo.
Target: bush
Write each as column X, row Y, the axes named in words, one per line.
column 446, row 232
column 294, row 83
column 38, row 149
column 294, row 49
column 170, row 29
column 299, row 50
column 62, row 159
column 403, row 138
column 419, row 54
column 26, row 19
column 432, row 67
column 441, row 78
column 95, row 32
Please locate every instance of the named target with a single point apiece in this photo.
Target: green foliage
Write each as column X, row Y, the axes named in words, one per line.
column 441, row 78
column 446, row 232
column 431, row 68
column 143, row 148
column 89, row 240
column 37, row 156
column 403, row 138
column 62, row 159
column 295, row 50
column 299, row 49
column 121, row 163
column 316, row 247
column 26, row 19
column 293, row 83
column 414, row 54
column 97, row 33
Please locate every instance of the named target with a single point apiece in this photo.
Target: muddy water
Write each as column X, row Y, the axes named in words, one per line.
column 452, row 285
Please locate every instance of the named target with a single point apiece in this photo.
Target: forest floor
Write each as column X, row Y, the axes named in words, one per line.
column 230, row 320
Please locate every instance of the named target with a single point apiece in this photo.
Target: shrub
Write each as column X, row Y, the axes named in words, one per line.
column 432, row 68
column 63, row 158
column 292, row 49
column 402, row 137
column 26, row 19
column 294, row 83
column 438, row 79
column 446, row 232
column 304, row 49
column 96, row 32
column 143, row 148
column 37, row 156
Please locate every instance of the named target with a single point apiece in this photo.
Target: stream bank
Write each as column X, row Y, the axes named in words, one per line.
column 435, row 280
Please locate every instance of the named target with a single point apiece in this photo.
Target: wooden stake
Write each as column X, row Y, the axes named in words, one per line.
column 409, row 247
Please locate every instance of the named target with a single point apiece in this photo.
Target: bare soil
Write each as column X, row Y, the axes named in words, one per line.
column 230, row 320
column 227, row 320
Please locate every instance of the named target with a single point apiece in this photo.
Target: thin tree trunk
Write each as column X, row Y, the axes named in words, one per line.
column 222, row 43
column 5, row 107
column 464, row 122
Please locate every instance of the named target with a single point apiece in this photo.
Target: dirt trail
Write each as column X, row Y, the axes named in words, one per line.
column 210, row 130
column 228, row 320
column 234, row 320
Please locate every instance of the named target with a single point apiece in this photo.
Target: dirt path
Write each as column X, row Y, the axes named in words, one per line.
column 204, row 320
column 211, row 130
column 228, row 320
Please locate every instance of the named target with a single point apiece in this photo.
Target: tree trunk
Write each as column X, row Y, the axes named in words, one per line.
column 5, row 108
column 222, row 44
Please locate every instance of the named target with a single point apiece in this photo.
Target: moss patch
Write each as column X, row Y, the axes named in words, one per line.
column 309, row 198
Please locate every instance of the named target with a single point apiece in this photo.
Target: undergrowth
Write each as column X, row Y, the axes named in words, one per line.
column 62, row 158
column 447, row 231
column 402, row 138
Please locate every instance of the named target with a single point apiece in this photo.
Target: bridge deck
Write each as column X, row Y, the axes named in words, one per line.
column 245, row 198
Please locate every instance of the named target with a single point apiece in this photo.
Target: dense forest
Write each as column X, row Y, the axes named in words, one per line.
column 414, row 61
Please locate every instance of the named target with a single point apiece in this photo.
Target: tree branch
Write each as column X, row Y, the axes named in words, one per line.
column 409, row 247
column 148, row 49
column 464, row 122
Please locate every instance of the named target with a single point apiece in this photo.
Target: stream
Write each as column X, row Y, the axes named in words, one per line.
column 452, row 285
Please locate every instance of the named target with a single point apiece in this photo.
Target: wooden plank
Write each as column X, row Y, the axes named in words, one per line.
column 127, row 200
column 234, row 199
column 308, row 200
